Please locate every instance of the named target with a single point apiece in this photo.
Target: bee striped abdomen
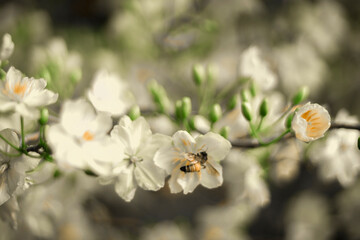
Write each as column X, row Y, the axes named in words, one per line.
column 195, row 167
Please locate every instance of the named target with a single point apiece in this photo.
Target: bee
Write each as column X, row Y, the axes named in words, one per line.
column 195, row 162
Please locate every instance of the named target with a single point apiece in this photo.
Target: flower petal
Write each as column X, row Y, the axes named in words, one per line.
column 211, row 176
column 189, row 181
column 125, row 185
column 214, row 144
column 167, row 158
column 184, row 141
column 149, row 176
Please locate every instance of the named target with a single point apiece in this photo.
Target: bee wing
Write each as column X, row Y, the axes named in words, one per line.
column 211, row 170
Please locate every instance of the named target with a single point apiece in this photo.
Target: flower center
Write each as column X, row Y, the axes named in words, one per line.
column 88, row 136
column 4, row 167
column 135, row 159
column 19, row 89
column 316, row 124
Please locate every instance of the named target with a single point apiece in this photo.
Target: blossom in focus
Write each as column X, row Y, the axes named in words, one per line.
column 23, row 94
column 252, row 65
column 310, row 122
column 136, row 166
column 338, row 157
column 7, row 47
column 109, row 93
column 179, row 153
column 79, row 128
column 245, row 181
column 12, row 169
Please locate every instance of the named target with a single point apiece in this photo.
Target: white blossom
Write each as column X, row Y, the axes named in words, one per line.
column 80, row 128
column 252, row 65
column 109, row 93
column 12, row 168
column 24, row 95
column 310, row 122
column 244, row 177
column 179, row 153
column 164, row 230
column 136, row 166
column 338, row 156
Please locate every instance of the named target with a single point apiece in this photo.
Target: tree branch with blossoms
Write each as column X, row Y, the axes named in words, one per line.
column 105, row 134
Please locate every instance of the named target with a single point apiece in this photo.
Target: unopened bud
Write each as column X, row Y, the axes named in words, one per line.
column 198, row 72
column 300, row 96
column 45, row 74
column 244, row 95
column 224, row 131
column 134, row 112
column 75, row 76
column 211, row 72
column 246, row 110
column 233, row 102
column 159, row 96
column 178, row 110
column 215, row 113
column 44, row 116
column 358, row 143
column 253, row 89
column 186, row 107
column 263, row 111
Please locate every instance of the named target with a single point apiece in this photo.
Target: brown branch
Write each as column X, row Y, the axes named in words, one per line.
column 253, row 143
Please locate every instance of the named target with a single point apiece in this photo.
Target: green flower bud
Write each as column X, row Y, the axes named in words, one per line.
column 2, row 74
column 224, row 131
column 45, row 74
column 263, row 111
column 178, row 110
column 215, row 113
column 75, row 76
column 233, row 102
column 198, row 72
column 300, row 96
column 191, row 123
column 159, row 96
column 134, row 112
column 252, row 89
column 288, row 120
column 246, row 110
column 186, row 107
column 211, row 73
column 244, row 95
column 44, row 116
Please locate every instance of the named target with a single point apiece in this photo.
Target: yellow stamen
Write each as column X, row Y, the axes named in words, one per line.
column 20, row 89
column 88, row 136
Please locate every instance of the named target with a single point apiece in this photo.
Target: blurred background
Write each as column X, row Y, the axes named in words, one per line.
column 305, row 42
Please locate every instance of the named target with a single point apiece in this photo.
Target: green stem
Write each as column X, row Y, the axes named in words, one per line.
column 23, row 144
column 279, row 119
column 10, row 144
column 260, row 124
column 275, row 140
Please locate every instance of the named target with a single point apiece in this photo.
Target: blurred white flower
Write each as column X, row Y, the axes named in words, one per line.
column 307, row 217
column 137, row 167
column 224, row 222
column 299, row 65
column 253, row 66
column 244, row 177
column 179, row 154
column 338, row 156
column 7, row 47
column 161, row 124
column 348, row 209
column 310, row 122
column 24, row 95
column 322, row 24
column 164, row 230
column 79, row 127
column 9, row 211
column 285, row 161
column 110, row 94
column 12, row 169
